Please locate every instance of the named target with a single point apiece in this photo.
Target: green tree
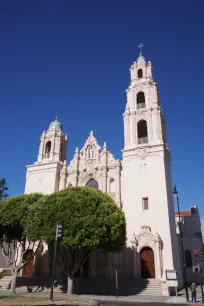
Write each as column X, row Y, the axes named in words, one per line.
column 90, row 220
column 13, row 242
column 3, row 189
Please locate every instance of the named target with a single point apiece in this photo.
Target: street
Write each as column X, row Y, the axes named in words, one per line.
column 124, row 303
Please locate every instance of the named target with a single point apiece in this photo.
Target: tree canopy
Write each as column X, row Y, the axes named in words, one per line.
column 90, row 220
column 3, row 189
column 13, row 240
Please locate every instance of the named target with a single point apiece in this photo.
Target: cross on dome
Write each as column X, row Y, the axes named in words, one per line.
column 140, row 46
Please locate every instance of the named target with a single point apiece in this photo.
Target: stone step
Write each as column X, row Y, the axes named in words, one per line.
column 5, row 282
column 126, row 286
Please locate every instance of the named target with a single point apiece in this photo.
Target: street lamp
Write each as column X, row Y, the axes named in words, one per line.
column 175, row 194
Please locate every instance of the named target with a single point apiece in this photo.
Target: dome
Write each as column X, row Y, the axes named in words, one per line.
column 56, row 124
column 141, row 58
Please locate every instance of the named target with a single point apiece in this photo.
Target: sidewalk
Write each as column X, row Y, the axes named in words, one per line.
column 105, row 298
column 142, row 299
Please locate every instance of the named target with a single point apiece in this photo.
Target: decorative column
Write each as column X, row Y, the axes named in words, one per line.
column 158, row 257
column 126, row 127
column 63, row 176
column 104, row 168
column 117, row 182
column 76, row 156
column 154, row 124
column 42, row 147
column 133, row 132
column 134, row 255
column 52, row 148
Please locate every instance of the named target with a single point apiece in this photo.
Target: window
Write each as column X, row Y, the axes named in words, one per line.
column 188, row 259
column 140, row 100
column 47, row 149
column 92, row 184
column 145, row 203
column 142, row 132
column 140, row 73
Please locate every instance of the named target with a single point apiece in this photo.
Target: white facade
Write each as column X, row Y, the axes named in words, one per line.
column 140, row 184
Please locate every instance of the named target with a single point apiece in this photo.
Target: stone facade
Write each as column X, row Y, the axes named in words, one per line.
column 140, row 183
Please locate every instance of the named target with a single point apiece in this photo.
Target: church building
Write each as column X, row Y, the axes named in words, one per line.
column 140, row 183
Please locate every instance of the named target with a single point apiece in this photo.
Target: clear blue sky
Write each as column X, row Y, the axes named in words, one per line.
column 72, row 58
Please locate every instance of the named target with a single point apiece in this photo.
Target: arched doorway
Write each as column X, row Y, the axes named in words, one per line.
column 92, row 183
column 28, row 269
column 147, row 263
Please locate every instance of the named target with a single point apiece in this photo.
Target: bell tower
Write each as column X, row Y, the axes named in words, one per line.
column 53, row 144
column 44, row 175
column 144, row 123
column 146, row 176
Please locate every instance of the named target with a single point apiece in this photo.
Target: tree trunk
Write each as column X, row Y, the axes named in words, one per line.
column 13, row 283
column 70, row 285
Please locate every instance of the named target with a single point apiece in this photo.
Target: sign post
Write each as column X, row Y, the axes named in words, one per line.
column 171, row 276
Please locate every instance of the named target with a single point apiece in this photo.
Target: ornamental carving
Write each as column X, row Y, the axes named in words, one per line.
column 142, row 153
column 147, row 238
column 91, row 161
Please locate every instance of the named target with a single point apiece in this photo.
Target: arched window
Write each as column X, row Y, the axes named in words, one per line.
column 140, row 100
column 140, row 73
column 61, row 152
column 92, row 184
column 47, row 149
column 142, row 132
column 112, row 185
column 188, row 259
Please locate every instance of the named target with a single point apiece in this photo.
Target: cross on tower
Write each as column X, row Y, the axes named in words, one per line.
column 140, row 46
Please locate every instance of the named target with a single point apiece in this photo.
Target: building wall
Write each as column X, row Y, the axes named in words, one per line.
column 43, row 178
column 192, row 239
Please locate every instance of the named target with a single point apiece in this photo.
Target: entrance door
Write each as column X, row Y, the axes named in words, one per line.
column 147, row 263
column 28, row 269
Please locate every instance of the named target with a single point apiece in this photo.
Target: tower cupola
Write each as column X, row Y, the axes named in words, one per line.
column 56, row 124
column 53, row 144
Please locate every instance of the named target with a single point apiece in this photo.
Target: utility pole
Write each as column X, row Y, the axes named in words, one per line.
column 57, row 235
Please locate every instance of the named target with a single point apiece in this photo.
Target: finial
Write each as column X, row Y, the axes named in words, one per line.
column 77, row 150
column 105, row 145
column 91, row 133
column 56, row 118
column 140, row 46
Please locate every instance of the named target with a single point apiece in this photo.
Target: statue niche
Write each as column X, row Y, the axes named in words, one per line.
column 91, row 152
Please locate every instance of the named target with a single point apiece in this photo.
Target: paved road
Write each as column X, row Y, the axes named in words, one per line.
column 122, row 303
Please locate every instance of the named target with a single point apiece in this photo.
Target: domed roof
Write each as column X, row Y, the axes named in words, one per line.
column 141, row 58
column 56, row 124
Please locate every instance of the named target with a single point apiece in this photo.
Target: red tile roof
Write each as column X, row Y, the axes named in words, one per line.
column 186, row 213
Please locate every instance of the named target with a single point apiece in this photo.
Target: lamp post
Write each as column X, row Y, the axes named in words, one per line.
column 175, row 194
column 58, row 234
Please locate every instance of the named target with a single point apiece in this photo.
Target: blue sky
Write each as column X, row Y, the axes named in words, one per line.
column 72, row 59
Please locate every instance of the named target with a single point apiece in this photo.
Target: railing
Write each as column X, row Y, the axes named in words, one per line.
column 141, row 105
column 142, row 140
